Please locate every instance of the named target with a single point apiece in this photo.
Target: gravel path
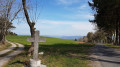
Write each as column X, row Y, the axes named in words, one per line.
column 105, row 56
column 5, row 59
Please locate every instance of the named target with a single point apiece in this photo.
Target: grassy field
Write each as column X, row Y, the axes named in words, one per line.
column 57, row 53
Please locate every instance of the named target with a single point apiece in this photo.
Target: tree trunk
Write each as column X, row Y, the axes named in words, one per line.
column 116, row 41
column 31, row 25
column 3, row 33
column 31, row 49
column 111, row 41
column 114, row 38
column 3, row 39
column 119, row 34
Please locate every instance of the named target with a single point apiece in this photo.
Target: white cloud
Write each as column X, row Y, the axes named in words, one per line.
column 67, row 27
column 74, row 25
column 79, row 16
column 82, row 6
column 68, row 2
column 51, row 27
column 21, row 28
column 84, row 16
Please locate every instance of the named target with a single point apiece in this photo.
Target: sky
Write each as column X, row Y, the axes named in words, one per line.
column 60, row 18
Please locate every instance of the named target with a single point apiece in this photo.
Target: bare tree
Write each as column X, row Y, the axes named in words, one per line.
column 8, row 27
column 8, row 11
column 30, row 21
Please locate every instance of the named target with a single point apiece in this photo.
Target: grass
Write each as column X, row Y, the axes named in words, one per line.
column 57, row 53
column 113, row 46
column 50, row 40
column 3, row 47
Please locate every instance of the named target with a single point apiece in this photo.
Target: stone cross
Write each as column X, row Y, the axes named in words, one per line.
column 35, row 40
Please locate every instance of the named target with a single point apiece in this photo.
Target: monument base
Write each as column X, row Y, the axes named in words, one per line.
column 34, row 63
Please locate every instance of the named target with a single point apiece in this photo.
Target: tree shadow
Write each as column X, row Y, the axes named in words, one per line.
column 67, row 50
column 106, row 51
column 25, row 63
column 17, row 62
column 62, row 49
column 105, row 54
column 103, row 60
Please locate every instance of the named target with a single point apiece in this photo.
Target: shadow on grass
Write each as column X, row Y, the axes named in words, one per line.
column 64, row 50
column 18, row 62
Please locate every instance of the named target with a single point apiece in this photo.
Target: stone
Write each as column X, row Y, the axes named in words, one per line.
column 35, row 40
column 41, row 53
column 35, row 62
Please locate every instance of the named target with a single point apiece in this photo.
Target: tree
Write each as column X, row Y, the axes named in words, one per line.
column 75, row 39
column 90, row 37
column 85, row 39
column 8, row 28
column 8, row 13
column 30, row 23
column 107, row 17
column 99, row 36
column 81, row 39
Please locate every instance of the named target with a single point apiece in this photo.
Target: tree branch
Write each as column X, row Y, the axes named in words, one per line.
column 25, row 12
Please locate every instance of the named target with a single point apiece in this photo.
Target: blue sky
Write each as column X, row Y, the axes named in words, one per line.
column 60, row 17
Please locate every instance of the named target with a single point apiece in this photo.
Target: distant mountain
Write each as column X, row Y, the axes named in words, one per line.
column 62, row 37
column 65, row 37
column 71, row 37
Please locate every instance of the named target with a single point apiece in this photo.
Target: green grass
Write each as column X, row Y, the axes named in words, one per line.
column 113, row 46
column 57, row 53
column 50, row 40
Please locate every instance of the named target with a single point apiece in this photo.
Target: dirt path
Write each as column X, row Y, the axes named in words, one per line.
column 104, row 56
column 5, row 59
column 9, row 49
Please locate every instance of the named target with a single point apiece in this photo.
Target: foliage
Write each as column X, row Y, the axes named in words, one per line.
column 8, row 27
column 11, row 33
column 106, row 17
column 75, row 39
column 90, row 36
column 84, row 39
column 97, row 37
column 4, row 31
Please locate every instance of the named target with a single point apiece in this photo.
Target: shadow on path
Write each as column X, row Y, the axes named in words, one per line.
column 108, row 57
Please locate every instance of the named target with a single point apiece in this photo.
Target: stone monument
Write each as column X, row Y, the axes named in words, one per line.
column 36, row 62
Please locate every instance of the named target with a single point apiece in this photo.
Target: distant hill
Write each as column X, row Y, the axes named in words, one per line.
column 61, row 37
column 49, row 40
column 71, row 37
column 65, row 37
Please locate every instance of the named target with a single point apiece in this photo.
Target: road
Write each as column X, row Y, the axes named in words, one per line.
column 106, row 56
